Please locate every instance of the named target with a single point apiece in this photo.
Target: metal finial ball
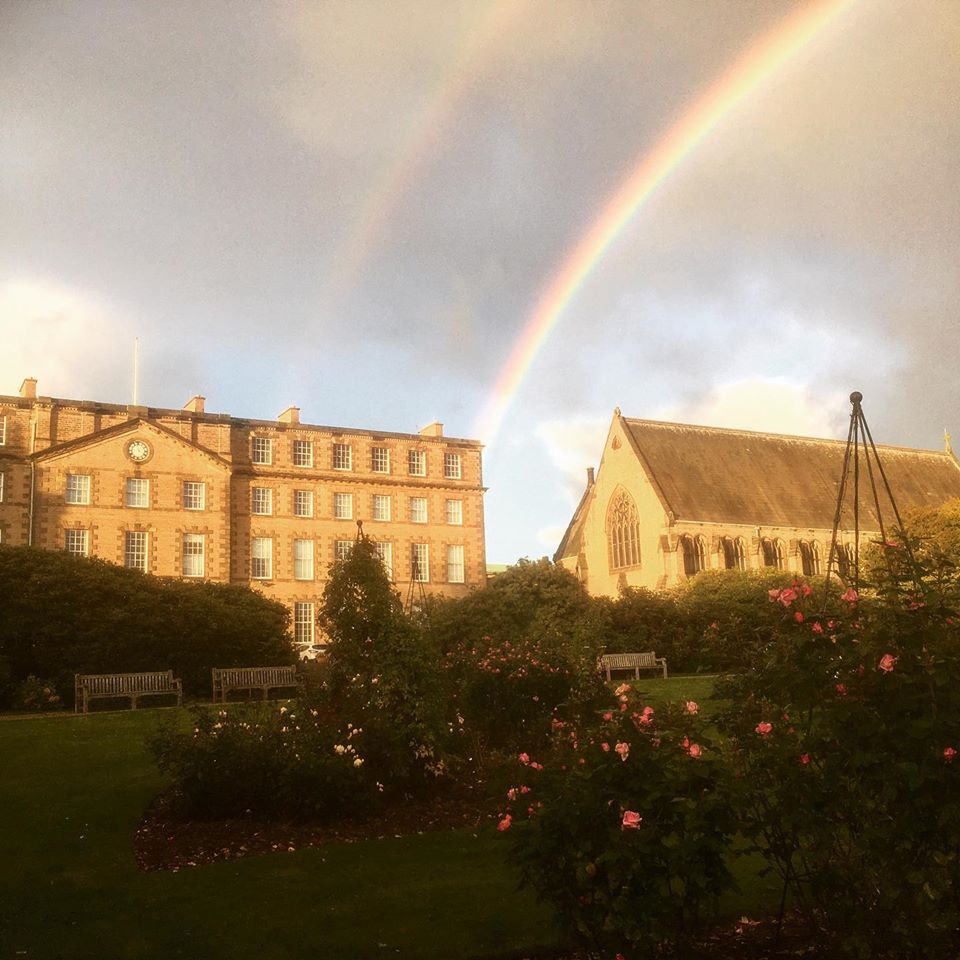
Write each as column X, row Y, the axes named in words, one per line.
column 856, row 396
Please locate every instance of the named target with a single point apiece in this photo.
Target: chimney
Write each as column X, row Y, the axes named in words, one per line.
column 434, row 429
column 28, row 389
column 195, row 404
column 290, row 415
column 589, row 477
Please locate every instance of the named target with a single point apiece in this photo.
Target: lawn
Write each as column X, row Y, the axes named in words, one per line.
column 75, row 788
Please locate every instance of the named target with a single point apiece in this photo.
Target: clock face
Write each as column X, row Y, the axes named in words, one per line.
column 138, row 450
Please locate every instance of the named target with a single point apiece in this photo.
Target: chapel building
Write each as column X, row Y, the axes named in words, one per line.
column 670, row 500
column 271, row 504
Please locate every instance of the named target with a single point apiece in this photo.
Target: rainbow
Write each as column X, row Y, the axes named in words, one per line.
column 493, row 22
column 761, row 61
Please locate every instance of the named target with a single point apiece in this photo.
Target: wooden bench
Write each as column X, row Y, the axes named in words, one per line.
column 103, row 686
column 266, row 679
column 632, row 661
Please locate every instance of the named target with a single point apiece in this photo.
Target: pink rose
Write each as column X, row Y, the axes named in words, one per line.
column 887, row 662
column 798, row 616
column 622, row 689
column 605, row 747
column 841, row 690
column 764, row 728
column 524, row 788
column 631, row 820
column 948, row 754
column 849, row 596
column 608, row 715
column 512, row 793
column 805, row 758
column 693, row 706
column 774, row 595
column 504, row 824
column 816, row 627
column 623, row 749
column 535, row 766
column 695, row 751
column 805, row 590
column 524, row 758
column 787, row 596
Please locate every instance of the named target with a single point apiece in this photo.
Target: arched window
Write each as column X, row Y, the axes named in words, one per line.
column 815, row 553
column 694, row 554
column 734, row 554
column 810, row 557
column 846, row 560
column 772, row 553
column 623, row 532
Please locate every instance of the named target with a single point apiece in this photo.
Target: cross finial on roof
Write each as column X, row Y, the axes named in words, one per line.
column 616, row 411
column 946, row 442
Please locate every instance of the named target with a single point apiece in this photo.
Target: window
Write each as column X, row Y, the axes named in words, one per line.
column 772, row 553
column 455, row 563
column 303, row 503
column 192, row 563
column 137, row 492
column 418, row 509
column 75, row 541
column 303, row 453
column 385, row 552
column 2, row 478
column 261, row 450
column 343, row 506
column 846, row 560
column 342, row 456
column 261, row 558
column 343, row 549
column 194, row 495
column 455, row 512
column 623, row 532
column 303, row 623
column 381, row 507
column 262, row 501
column 451, row 466
column 380, row 460
column 135, row 550
column 3, row 430
column 417, row 463
column 419, row 562
column 303, row 559
column 694, row 554
column 734, row 555
column 78, row 488
column 810, row 558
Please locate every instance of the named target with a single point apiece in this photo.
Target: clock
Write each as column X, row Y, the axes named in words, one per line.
column 138, row 450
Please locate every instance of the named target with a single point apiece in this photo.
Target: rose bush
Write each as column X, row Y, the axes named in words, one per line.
column 623, row 827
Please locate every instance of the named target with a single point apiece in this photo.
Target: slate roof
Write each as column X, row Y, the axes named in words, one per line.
column 739, row 476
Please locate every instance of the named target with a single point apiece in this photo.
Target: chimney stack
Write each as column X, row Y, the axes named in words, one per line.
column 28, row 389
column 434, row 429
column 290, row 415
column 589, row 477
column 195, row 404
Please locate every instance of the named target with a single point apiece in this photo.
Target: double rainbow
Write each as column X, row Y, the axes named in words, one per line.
column 760, row 62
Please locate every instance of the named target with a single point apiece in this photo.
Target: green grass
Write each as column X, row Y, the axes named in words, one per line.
column 75, row 788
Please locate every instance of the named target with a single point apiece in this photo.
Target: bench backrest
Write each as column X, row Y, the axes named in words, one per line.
column 256, row 676
column 123, row 683
column 616, row 660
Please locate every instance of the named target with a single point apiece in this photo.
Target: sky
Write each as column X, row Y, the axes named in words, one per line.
column 358, row 206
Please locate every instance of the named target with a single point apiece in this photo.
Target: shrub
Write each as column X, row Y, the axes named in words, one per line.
column 624, row 829
column 35, row 694
column 845, row 736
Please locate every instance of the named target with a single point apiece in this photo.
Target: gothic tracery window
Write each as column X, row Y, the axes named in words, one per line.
column 623, row 532
column 773, row 553
column 694, row 554
column 734, row 554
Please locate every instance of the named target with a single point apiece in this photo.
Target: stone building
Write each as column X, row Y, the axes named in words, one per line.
column 267, row 503
column 670, row 500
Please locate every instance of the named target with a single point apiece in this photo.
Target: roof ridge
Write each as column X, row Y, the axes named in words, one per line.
column 778, row 436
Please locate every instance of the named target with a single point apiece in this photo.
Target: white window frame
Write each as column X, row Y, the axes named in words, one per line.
column 261, row 501
column 77, row 493
column 304, row 622
column 380, row 459
column 339, row 500
column 420, row 562
column 303, row 453
column 136, row 550
column 303, row 551
column 452, row 466
column 303, row 503
column 416, row 514
column 194, row 495
column 342, row 549
column 342, row 456
column 455, row 564
column 261, row 451
column 193, row 548
column 417, row 463
column 76, row 542
column 261, row 558
column 455, row 513
column 3, row 430
column 136, row 493
column 380, row 508
column 3, row 477
column 384, row 550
